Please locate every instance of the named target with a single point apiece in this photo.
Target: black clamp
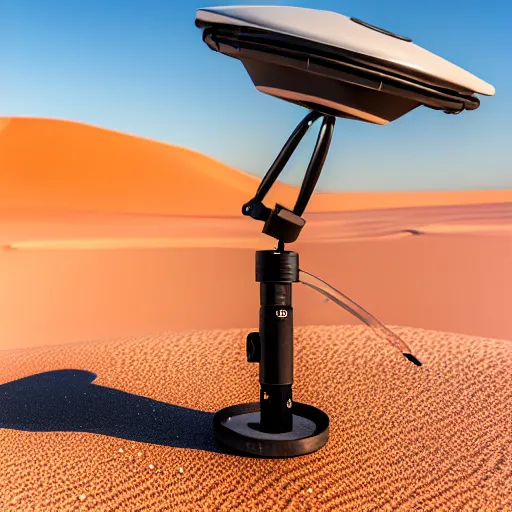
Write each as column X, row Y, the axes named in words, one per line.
column 281, row 223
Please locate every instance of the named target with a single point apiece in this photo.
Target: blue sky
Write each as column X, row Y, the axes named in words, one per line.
column 141, row 67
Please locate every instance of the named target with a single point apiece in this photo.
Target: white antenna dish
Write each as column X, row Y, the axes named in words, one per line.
column 337, row 65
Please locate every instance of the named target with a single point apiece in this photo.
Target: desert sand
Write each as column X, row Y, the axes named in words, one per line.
column 92, row 220
column 127, row 290
column 54, row 165
column 108, row 425
column 69, row 278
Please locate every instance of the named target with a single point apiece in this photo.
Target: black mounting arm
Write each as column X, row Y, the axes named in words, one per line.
column 277, row 425
column 281, row 223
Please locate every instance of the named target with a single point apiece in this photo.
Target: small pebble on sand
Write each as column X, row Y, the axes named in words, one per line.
column 181, row 470
column 151, row 466
column 139, row 454
column 121, row 450
column 310, row 490
column 82, row 497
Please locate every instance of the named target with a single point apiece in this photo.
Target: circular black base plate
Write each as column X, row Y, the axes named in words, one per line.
column 237, row 428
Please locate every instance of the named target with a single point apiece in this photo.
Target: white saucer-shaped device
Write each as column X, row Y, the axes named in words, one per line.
column 337, row 65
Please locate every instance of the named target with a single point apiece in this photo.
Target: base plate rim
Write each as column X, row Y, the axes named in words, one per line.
column 271, row 448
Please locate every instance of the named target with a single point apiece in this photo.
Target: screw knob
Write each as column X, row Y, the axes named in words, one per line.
column 253, row 347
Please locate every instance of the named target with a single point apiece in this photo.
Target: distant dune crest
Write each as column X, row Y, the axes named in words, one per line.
column 4, row 122
column 68, row 166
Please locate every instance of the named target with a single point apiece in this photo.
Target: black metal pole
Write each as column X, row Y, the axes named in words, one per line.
column 276, row 271
column 272, row 346
column 316, row 164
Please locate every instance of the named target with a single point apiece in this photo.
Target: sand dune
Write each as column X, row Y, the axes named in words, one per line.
column 74, row 277
column 53, row 165
column 61, row 165
column 92, row 220
column 451, row 229
column 108, row 425
column 105, row 235
column 110, row 231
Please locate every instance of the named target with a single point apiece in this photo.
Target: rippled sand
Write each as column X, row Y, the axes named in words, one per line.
column 104, row 235
column 113, row 431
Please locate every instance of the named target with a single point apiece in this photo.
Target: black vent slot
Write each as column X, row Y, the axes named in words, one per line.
column 381, row 30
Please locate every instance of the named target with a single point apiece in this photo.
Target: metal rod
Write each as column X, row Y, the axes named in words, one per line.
column 315, row 165
column 285, row 154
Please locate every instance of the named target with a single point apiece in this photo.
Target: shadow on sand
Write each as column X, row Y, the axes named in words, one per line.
column 68, row 401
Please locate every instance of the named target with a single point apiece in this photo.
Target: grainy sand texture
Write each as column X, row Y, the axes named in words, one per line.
column 126, row 424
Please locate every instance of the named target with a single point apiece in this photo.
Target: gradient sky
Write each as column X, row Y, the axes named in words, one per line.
column 141, row 67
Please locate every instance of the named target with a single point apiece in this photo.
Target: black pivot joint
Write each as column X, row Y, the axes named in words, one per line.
column 280, row 223
column 256, row 210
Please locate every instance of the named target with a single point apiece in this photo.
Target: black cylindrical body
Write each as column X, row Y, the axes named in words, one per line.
column 276, row 271
column 276, row 333
column 277, row 267
column 276, row 409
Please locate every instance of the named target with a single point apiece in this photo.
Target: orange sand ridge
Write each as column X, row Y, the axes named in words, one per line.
column 138, row 436
column 72, row 278
column 61, row 165
column 67, row 230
